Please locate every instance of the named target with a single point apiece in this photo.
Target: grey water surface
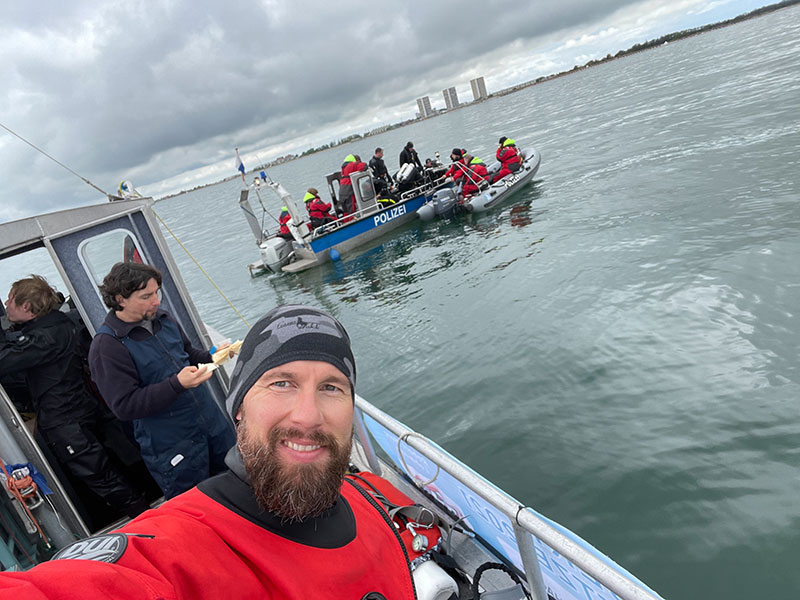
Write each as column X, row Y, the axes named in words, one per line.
column 616, row 345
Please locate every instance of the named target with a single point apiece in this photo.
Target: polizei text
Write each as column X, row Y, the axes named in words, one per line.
column 390, row 214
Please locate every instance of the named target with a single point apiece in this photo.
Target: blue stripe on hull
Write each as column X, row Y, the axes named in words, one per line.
column 354, row 234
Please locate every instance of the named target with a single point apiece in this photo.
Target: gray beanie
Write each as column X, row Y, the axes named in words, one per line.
column 285, row 334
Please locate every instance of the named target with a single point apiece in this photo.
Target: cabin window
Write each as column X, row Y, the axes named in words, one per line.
column 101, row 252
column 36, row 261
column 367, row 192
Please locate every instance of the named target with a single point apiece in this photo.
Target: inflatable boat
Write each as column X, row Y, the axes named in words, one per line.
column 448, row 202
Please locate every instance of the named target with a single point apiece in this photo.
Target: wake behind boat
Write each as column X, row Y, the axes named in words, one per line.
column 449, row 202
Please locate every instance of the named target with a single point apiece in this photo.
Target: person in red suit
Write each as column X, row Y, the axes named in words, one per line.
column 347, row 197
column 457, row 169
column 509, row 158
column 318, row 211
column 283, row 219
column 477, row 174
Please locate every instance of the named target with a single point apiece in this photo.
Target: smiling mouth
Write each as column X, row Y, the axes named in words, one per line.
column 302, row 447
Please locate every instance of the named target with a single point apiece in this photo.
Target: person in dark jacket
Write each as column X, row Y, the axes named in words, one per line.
column 145, row 368
column 409, row 155
column 382, row 178
column 347, row 197
column 79, row 430
column 509, row 158
column 318, row 211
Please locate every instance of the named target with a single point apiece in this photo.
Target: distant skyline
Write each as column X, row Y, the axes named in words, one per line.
column 478, row 86
column 161, row 92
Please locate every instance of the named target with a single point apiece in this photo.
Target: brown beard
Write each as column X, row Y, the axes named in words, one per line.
column 298, row 491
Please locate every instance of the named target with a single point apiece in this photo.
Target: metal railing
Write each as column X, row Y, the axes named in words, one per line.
column 524, row 520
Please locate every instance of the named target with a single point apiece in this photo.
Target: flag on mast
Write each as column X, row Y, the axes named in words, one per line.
column 239, row 163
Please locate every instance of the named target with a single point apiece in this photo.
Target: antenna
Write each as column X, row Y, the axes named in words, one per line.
column 59, row 163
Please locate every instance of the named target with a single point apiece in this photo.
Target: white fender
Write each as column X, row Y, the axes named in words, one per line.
column 432, row 582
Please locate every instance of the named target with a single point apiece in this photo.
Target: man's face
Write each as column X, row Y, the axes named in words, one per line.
column 295, row 434
column 379, row 154
column 18, row 313
column 141, row 304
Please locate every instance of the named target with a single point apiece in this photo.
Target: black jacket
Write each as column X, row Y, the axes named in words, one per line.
column 47, row 354
column 409, row 155
column 379, row 168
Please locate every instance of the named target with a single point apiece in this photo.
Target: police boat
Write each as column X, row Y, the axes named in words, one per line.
column 464, row 537
column 374, row 216
column 448, row 202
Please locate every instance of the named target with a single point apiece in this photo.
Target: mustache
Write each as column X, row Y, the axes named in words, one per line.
column 318, row 437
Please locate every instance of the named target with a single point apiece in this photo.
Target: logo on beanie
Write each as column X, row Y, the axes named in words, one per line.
column 287, row 334
column 286, row 328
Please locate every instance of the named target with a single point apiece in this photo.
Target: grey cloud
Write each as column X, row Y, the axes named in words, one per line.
column 115, row 85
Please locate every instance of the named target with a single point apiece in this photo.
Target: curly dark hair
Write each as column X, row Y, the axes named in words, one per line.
column 125, row 278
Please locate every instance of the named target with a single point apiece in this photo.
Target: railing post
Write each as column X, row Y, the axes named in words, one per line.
column 530, row 561
column 366, row 442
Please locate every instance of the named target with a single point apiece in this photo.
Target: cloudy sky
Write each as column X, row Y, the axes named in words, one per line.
column 160, row 92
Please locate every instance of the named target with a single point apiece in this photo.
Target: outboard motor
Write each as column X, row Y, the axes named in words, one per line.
column 275, row 253
column 443, row 203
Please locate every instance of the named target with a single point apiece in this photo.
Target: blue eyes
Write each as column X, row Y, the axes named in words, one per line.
column 327, row 387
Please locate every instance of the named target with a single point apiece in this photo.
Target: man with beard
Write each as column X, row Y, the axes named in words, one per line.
column 283, row 523
column 144, row 366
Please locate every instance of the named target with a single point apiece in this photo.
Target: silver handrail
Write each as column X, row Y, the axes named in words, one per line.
column 345, row 220
column 625, row 588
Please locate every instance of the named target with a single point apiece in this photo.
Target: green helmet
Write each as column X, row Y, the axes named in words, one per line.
column 509, row 143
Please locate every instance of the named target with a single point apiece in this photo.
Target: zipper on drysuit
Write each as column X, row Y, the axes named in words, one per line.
column 391, row 525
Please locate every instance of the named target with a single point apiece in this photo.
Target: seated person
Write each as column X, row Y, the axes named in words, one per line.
column 81, row 432
column 432, row 163
column 387, row 199
column 509, row 158
column 474, row 178
column 457, row 169
column 284, row 219
column 318, row 211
